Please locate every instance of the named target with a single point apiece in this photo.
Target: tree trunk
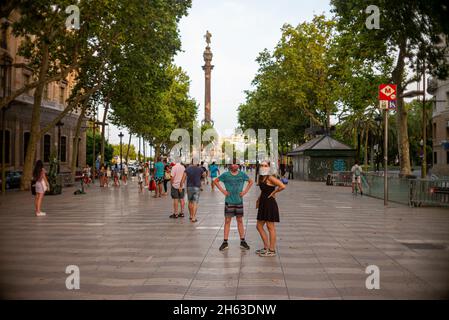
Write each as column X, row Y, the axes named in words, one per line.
column 366, row 148
column 35, row 122
column 127, row 152
column 157, row 151
column 76, row 141
column 358, row 146
column 401, row 114
column 103, row 125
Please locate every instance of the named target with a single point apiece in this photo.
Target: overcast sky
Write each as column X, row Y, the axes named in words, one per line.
column 240, row 30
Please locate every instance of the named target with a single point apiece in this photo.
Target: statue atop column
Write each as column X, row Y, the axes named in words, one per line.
column 208, row 36
column 208, row 74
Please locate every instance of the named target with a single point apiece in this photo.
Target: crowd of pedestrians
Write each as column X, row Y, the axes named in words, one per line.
column 190, row 181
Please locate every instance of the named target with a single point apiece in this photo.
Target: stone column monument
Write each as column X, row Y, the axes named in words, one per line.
column 207, row 73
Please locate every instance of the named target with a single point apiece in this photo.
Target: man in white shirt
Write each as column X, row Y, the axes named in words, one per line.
column 357, row 177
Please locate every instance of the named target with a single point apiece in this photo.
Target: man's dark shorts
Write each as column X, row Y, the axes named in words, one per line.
column 175, row 194
column 233, row 210
column 159, row 180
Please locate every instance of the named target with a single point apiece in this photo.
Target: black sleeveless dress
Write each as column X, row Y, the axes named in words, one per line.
column 268, row 207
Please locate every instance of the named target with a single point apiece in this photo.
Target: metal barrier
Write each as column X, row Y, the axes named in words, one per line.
column 429, row 192
column 340, row 178
column 398, row 188
column 404, row 190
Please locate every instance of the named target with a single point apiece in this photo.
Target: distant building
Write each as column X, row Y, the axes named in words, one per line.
column 18, row 115
column 440, row 125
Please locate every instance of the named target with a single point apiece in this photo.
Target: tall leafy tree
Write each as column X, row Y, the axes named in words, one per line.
column 410, row 32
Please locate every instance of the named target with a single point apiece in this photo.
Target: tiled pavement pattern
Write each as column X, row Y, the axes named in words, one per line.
column 127, row 248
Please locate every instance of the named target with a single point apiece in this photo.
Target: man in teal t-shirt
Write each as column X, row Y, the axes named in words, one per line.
column 234, row 180
column 159, row 176
column 214, row 172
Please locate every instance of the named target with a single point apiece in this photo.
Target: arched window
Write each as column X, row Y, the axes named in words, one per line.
column 7, row 146
column 63, row 149
column 26, row 141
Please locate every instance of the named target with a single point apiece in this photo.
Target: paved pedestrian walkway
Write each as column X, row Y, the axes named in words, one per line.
column 127, row 248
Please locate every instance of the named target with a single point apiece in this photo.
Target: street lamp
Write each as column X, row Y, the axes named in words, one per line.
column 121, row 135
column 5, row 75
column 59, row 125
column 378, row 120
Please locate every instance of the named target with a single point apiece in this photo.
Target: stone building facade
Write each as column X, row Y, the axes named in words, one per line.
column 19, row 112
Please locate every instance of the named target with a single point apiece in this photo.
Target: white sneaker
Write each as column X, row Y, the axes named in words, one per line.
column 41, row 214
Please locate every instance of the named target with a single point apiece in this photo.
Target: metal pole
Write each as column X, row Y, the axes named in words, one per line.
column 139, row 150
column 424, row 125
column 121, row 157
column 93, row 153
column 59, row 125
column 3, row 153
column 386, row 158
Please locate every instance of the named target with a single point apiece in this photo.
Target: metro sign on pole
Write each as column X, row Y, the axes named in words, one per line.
column 388, row 92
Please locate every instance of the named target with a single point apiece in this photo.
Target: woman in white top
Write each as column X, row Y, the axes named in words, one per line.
column 41, row 184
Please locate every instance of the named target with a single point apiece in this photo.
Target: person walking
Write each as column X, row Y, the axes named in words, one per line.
column 41, row 185
column 234, row 180
column 214, row 173
column 167, row 176
column 357, row 177
column 204, row 179
column 146, row 174
column 116, row 176
column 108, row 175
column 177, row 189
column 101, row 175
column 140, row 179
column 193, row 176
column 290, row 171
column 159, row 177
column 125, row 171
column 267, row 209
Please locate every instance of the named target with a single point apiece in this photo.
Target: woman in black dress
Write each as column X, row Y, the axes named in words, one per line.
column 268, row 211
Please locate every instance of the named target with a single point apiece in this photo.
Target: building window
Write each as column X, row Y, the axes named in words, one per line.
column 61, row 95
column 26, row 141
column 7, row 146
column 63, row 149
column 435, row 158
column 4, row 39
column 447, row 157
column 47, row 147
column 434, row 131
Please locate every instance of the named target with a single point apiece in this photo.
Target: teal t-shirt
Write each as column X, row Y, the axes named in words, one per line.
column 234, row 185
column 213, row 168
column 159, row 169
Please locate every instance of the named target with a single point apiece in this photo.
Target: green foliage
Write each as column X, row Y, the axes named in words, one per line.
column 132, row 151
column 108, row 148
column 298, row 84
